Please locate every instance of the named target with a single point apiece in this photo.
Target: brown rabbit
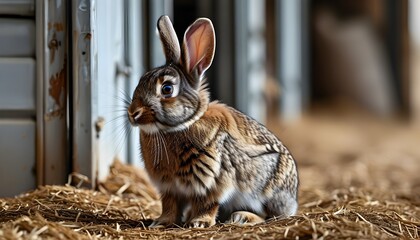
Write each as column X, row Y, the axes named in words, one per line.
column 208, row 160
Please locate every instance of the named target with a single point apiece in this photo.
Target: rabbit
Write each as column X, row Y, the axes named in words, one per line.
column 209, row 161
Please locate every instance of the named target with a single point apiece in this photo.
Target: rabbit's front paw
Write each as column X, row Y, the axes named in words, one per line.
column 245, row 218
column 157, row 224
column 201, row 222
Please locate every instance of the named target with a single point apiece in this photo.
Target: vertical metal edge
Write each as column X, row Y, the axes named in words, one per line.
column 134, row 50
column 40, row 18
column 224, row 72
column 405, row 60
column 85, row 147
column 94, row 90
column 289, row 54
column 168, row 8
column 256, row 70
column 250, row 72
column 414, row 41
column 156, row 9
column 54, row 92
column 241, row 55
column 305, row 54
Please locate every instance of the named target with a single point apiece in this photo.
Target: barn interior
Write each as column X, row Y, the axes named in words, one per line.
column 336, row 80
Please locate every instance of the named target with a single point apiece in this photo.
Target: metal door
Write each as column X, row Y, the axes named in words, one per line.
column 108, row 61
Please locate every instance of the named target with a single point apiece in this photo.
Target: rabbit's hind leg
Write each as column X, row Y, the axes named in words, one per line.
column 282, row 205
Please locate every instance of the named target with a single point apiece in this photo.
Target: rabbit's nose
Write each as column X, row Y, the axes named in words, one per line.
column 137, row 113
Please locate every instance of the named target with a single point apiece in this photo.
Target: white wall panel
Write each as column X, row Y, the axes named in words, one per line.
column 111, row 139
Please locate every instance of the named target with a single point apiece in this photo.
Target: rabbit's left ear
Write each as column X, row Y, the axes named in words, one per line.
column 169, row 40
column 198, row 46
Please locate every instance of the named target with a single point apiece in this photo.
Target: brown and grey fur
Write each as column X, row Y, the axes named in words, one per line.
column 208, row 160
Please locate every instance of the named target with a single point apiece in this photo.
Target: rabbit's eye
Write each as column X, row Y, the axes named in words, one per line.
column 167, row 90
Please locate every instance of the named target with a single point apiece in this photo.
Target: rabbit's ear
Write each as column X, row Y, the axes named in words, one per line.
column 198, row 46
column 169, row 40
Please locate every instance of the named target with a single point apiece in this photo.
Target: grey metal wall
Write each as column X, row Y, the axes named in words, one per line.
column 17, row 97
column 33, row 94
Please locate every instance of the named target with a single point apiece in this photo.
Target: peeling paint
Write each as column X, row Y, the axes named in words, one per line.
column 88, row 36
column 57, row 26
column 57, row 91
column 53, row 45
column 52, row 129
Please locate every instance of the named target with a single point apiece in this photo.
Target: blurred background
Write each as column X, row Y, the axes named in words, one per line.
column 335, row 80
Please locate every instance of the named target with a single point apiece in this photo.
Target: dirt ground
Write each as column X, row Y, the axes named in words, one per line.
column 359, row 180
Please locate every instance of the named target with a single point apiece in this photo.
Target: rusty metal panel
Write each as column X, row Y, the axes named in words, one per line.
column 17, row 84
column 51, row 58
column 17, row 7
column 84, row 103
column 17, row 37
column 17, row 151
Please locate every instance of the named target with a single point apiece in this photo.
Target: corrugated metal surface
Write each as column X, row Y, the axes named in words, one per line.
column 17, row 7
column 17, row 154
column 17, row 84
column 17, row 37
column 17, row 97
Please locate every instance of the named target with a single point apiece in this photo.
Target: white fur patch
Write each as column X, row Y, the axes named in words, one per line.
column 227, row 195
column 290, row 203
column 150, row 128
column 194, row 189
column 181, row 126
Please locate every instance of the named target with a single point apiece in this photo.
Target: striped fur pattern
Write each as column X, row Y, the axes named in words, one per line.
column 208, row 160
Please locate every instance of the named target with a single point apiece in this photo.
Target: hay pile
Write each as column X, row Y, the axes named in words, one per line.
column 124, row 204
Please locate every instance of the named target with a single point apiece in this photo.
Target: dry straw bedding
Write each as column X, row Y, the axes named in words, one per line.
column 124, row 204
